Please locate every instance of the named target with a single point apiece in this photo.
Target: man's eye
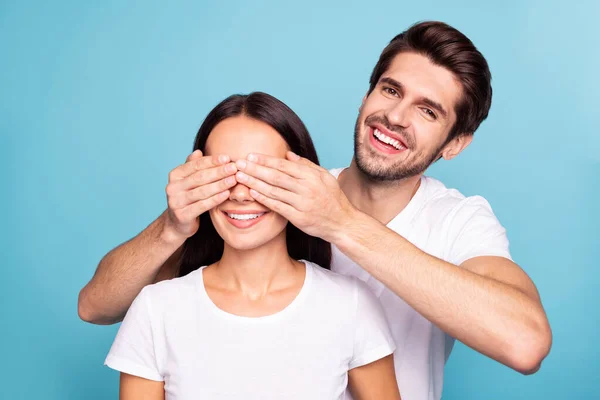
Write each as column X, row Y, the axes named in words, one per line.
column 390, row 91
column 429, row 113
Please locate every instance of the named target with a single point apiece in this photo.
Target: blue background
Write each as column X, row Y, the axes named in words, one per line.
column 99, row 101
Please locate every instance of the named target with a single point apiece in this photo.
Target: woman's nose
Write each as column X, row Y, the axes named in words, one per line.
column 240, row 193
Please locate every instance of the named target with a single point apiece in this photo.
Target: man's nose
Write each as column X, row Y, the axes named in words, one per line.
column 399, row 114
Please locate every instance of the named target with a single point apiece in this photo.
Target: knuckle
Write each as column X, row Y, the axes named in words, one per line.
column 198, row 193
column 281, row 164
column 171, row 189
column 276, row 207
column 276, row 180
column 214, row 201
column 172, row 203
column 203, row 206
column 197, row 177
column 274, row 192
column 189, row 195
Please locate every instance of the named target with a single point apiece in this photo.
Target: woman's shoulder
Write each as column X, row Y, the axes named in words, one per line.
column 334, row 281
column 174, row 288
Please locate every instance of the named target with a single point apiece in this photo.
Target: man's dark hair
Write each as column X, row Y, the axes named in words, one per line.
column 206, row 246
column 445, row 46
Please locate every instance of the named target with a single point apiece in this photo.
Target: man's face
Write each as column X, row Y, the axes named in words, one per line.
column 404, row 122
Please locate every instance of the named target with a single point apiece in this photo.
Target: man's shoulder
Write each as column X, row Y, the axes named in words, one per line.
column 449, row 199
column 336, row 171
column 448, row 209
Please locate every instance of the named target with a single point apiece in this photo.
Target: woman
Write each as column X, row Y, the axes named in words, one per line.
column 246, row 319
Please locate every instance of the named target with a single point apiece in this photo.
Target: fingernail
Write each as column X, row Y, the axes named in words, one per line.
column 223, row 159
column 230, row 180
column 242, row 176
column 241, row 164
column 252, row 157
column 295, row 156
column 230, row 168
column 253, row 193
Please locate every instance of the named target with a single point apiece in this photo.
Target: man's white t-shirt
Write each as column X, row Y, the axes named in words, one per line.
column 174, row 333
column 454, row 228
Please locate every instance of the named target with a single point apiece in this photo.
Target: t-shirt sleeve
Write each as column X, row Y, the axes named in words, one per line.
column 133, row 350
column 373, row 339
column 477, row 232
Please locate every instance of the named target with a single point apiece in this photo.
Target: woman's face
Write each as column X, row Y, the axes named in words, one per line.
column 242, row 222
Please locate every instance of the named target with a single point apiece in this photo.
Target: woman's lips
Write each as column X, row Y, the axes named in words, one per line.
column 244, row 219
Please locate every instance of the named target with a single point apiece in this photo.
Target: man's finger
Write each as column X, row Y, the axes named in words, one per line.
column 301, row 160
column 206, row 176
column 206, row 191
column 285, row 210
column 195, row 154
column 271, row 176
column 194, row 210
column 281, row 164
column 198, row 164
column 273, row 192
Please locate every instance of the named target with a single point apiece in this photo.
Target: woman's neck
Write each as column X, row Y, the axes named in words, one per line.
column 259, row 271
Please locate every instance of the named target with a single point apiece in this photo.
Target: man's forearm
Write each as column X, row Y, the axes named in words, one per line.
column 124, row 271
column 494, row 318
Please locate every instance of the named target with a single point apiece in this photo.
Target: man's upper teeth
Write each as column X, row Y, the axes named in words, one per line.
column 244, row 216
column 386, row 139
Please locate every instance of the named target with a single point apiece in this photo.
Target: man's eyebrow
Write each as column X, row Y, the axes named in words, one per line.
column 431, row 103
column 392, row 82
column 435, row 105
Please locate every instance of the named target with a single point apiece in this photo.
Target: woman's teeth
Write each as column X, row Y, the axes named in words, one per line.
column 244, row 217
column 388, row 140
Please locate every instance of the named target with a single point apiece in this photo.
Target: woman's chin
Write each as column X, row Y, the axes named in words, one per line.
column 245, row 243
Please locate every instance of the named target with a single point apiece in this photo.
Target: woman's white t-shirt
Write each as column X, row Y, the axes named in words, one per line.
column 174, row 333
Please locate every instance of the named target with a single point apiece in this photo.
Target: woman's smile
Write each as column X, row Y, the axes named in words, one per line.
column 244, row 219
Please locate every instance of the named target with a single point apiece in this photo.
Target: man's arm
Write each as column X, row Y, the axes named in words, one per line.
column 488, row 303
column 151, row 256
column 200, row 184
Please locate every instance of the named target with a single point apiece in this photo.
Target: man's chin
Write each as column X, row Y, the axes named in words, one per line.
column 375, row 173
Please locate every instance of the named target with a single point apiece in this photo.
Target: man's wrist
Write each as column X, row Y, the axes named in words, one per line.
column 341, row 232
column 168, row 235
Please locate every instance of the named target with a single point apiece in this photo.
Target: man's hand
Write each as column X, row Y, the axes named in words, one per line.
column 200, row 184
column 304, row 193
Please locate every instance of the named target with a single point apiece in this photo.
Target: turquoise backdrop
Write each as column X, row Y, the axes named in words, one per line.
column 99, row 100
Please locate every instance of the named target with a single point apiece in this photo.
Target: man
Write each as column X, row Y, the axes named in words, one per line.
column 439, row 262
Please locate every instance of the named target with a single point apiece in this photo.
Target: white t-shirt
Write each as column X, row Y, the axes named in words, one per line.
column 174, row 333
column 454, row 228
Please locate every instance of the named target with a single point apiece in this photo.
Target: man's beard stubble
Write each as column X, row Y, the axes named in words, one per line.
column 399, row 170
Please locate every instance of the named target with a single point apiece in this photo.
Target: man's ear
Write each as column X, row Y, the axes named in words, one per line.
column 363, row 102
column 456, row 146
